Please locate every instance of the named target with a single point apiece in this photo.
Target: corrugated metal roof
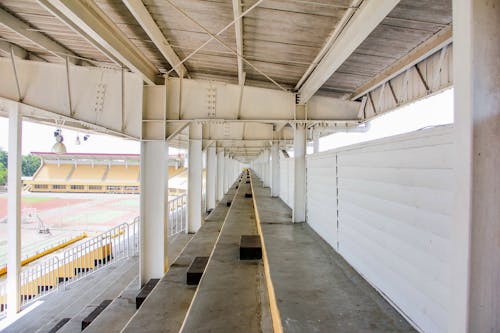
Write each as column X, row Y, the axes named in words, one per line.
column 280, row 37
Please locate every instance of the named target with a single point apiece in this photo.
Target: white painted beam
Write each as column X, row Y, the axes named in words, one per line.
column 238, row 27
column 36, row 37
column 143, row 17
column 14, row 211
column 5, row 49
column 19, row 52
column 87, row 19
column 368, row 16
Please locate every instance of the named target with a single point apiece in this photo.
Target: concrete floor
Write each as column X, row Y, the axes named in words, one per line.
column 230, row 294
column 166, row 307
column 316, row 289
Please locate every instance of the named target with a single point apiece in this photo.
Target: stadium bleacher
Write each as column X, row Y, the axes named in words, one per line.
column 95, row 173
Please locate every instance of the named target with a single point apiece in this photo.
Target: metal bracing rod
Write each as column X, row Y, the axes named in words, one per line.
column 217, row 34
column 226, row 46
column 122, row 77
column 68, row 87
column 177, row 131
column 146, row 21
column 424, row 83
column 393, row 93
column 371, row 102
column 14, row 68
column 238, row 27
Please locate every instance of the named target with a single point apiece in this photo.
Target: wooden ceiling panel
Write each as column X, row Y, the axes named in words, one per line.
column 44, row 22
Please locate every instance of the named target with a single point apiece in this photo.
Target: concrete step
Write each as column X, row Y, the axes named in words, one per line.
column 166, row 307
column 115, row 287
column 114, row 318
column 67, row 303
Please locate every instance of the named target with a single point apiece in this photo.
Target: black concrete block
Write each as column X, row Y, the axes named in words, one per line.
column 250, row 247
column 59, row 325
column 145, row 291
column 195, row 271
column 97, row 311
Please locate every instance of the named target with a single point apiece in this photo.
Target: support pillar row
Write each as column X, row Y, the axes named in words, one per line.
column 299, row 145
column 275, row 166
column 211, row 177
column 14, row 211
column 153, row 261
column 195, row 177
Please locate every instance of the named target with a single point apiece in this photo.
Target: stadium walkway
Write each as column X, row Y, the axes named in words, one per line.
column 317, row 290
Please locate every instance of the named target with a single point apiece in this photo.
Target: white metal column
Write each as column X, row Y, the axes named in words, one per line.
column 211, row 176
column 195, row 177
column 275, row 166
column 226, row 171
column 299, row 146
column 14, row 211
column 154, row 210
column 220, row 174
column 475, row 274
column 316, row 135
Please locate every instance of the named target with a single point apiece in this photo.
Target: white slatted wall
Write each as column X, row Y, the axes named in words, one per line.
column 395, row 201
column 322, row 195
column 287, row 168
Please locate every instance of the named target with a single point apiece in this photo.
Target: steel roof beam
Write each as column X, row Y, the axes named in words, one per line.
column 87, row 19
column 368, row 16
column 5, row 49
column 41, row 40
column 418, row 54
column 143, row 17
column 238, row 27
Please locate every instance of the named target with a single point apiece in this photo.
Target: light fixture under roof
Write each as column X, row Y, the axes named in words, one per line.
column 59, row 147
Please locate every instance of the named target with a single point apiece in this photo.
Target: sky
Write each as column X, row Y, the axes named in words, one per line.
column 432, row 111
column 40, row 138
column 435, row 110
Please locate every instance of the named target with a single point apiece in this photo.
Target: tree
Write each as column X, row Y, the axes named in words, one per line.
column 3, row 174
column 3, row 158
column 30, row 164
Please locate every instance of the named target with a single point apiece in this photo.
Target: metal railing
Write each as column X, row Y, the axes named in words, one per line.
column 89, row 256
column 177, row 217
column 66, row 267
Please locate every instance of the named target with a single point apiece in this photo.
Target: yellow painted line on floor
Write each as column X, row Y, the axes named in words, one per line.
column 273, row 304
column 37, row 256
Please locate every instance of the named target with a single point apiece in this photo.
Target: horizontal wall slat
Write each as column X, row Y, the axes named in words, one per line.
column 395, row 206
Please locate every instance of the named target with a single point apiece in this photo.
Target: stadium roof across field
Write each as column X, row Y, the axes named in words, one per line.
column 94, row 156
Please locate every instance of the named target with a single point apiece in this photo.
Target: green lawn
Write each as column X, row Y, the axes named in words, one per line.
column 37, row 199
